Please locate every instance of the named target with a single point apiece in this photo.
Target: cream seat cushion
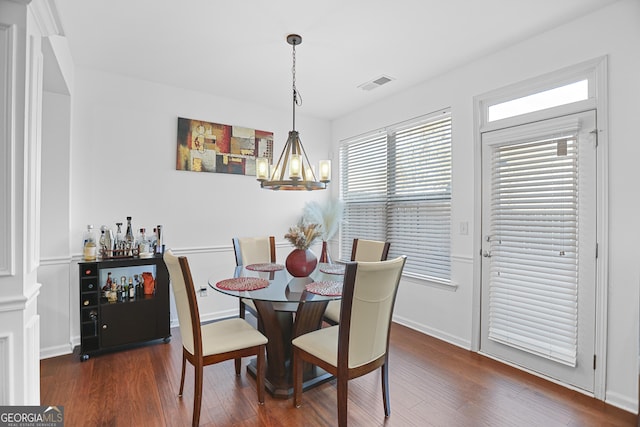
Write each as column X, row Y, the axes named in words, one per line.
column 229, row 335
column 322, row 343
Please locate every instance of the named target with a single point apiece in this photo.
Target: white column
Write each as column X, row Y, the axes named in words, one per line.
column 21, row 65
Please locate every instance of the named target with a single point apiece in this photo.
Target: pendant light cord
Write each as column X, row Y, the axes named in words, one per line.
column 297, row 97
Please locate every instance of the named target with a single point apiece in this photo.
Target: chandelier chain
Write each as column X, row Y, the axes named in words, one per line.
column 297, row 98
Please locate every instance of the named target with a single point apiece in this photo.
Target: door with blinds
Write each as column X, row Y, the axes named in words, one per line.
column 539, row 247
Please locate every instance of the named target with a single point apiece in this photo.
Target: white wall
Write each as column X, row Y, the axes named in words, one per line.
column 56, row 306
column 613, row 31
column 124, row 156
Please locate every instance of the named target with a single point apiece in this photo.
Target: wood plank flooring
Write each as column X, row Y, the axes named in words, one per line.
column 432, row 383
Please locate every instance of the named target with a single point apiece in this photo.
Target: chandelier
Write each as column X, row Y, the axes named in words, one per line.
column 293, row 171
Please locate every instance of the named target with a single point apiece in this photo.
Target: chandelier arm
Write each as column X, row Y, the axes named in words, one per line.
column 304, row 153
column 286, row 153
column 282, row 162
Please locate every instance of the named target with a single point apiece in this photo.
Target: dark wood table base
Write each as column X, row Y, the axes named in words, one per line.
column 313, row 378
column 281, row 326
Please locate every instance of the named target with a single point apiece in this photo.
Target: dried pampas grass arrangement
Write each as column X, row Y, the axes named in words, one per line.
column 328, row 215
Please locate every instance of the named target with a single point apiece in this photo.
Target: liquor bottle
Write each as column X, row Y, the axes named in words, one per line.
column 89, row 246
column 128, row 237
column 119, row 240
column 123, row 292
column 159, row 245
column 153, row 241
column 107, row 285
column 106, row 241
column 142, row 243
column 132, row 289
column 101, row 240
column 136, row 277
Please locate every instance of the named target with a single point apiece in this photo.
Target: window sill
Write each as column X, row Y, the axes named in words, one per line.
column 431, row 282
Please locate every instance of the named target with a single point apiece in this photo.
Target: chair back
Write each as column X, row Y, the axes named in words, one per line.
column 368, row 297
column 254, row 250
column 186, row 303
column 369, row 250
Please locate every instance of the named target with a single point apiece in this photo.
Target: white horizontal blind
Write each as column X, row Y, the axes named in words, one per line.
column 363, row 178
column 533, row 299
column 420, row 196
column 411, row 206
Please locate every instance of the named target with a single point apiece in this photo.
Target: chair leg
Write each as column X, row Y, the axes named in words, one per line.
column 297, row 378
column 197, row 394
column 238, row 363
column 242, row 308
column 343, row 394
column 385, row 390
column 184, row 361
column 261, row 374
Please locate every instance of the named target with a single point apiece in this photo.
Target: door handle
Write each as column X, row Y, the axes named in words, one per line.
column 486, row 254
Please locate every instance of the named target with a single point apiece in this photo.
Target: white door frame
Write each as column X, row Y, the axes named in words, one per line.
column 596, row 71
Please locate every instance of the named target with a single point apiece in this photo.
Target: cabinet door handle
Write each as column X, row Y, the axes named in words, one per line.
column 85, row 302
column 104, row 326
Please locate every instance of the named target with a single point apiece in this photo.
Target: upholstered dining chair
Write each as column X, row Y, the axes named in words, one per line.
column 359, row 344
column 253, row 250
column 369, row 250
column 361, row 250
column 210, row 343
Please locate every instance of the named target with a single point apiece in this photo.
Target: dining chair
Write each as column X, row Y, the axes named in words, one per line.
column 359, row 344
column 369, row 250
column 361, row 250
column 210, row 343
column 253, row 250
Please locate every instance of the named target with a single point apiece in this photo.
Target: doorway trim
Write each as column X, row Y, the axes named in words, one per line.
column 595, row 71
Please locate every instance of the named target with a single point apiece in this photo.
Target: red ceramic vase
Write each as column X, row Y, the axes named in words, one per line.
column 301, row 262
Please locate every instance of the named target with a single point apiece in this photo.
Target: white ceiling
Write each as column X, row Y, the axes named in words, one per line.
column 237, row 48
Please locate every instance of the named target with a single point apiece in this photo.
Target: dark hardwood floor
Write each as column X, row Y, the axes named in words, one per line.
column 432, row 383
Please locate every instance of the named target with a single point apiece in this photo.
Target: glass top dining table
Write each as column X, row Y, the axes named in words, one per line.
column 324, row 284
column 287, row 307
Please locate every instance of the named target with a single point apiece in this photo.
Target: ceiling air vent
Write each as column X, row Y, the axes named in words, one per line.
column 375, row 83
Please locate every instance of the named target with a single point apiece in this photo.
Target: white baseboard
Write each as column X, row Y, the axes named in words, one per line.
column 436, row 333
column 59, row 350
column 622, row 402
column 210, row 317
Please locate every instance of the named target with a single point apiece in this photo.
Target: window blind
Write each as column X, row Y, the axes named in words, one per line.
column 363, row 169
column 396, row 187
column 533, row 298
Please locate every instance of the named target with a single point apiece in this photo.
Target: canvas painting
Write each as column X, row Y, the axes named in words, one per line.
column 214, row 147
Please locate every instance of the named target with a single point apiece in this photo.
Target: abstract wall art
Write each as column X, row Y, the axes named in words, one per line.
column 214, row 147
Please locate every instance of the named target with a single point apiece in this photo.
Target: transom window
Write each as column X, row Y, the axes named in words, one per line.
column 566, row 94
